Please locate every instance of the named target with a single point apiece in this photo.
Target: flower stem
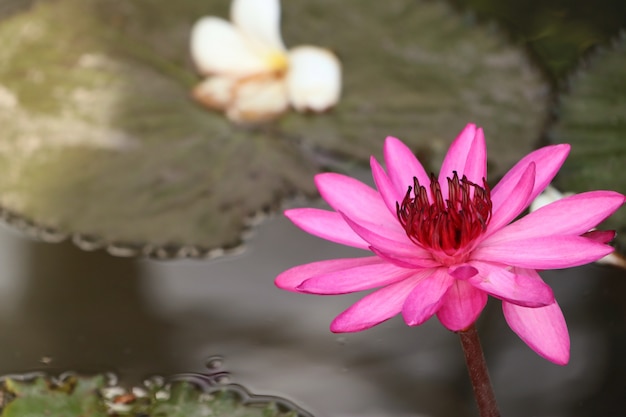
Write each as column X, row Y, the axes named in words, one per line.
column 479, row 375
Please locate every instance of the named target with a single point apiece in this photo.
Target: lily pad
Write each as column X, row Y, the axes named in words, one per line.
column 73, row 397
column 592, row 118
column 420, row 72
column 9, row 7
column 101, row 142
column 186, row 400
column 97, row 396
column 558, row 32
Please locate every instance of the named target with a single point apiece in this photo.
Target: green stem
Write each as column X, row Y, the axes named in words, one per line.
column 479, row 375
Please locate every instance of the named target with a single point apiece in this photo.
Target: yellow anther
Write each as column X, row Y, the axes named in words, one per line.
column 278, row 61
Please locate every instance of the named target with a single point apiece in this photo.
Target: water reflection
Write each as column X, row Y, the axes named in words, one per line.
column 75, row 310
column 94, row 312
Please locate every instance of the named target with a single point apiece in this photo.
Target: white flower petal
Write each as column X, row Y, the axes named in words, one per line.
column 217, row 47
column 549, row 195
column 314, row 78
column 258, row 99
column 613, row 259
column 259, row 20
column 215, row 92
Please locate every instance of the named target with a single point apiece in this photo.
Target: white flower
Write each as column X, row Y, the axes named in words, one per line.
column 251, row 75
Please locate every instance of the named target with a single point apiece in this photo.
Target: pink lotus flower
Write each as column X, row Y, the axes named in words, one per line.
column 443, row 256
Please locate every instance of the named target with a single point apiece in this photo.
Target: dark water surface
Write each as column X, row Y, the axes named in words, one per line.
column 92, row 312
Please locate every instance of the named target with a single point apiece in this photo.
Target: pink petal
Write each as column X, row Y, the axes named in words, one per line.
column 544, row 252
column 467, row 156
column 523, row 287
column 358, row 278
column 357, row 200
column 391, row 230
column 462, row 272
column 542, row 328
column 402, row 166
column 327, row 225
column 426, row 297
column 290, row 279
column 548, row 161
column 376, row 307
column 602, row 236
column 572, row 215
column 387, row 190
column 462, row 304
column 515, row 203
column 406, row 260
column 476, row 165
column 397, row 246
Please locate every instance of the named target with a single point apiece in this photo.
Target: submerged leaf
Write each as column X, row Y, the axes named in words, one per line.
column 100, row 139
column 592, row 118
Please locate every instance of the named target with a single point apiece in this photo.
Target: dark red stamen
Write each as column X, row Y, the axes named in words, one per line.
column 445, row 225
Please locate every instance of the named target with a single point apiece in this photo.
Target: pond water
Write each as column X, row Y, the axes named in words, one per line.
column 65, row 309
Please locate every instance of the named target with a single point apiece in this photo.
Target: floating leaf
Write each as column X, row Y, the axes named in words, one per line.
column 592, row 118
column 185, row 400
column 101, row 141
column 9, row 7
column 557, row 32
column 73, row 397
column 418, row 71
column 93, row 396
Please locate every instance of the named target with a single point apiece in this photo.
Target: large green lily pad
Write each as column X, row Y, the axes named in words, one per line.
column 420, row 72
column 558, row 32
column 186, row 400
column 73, row 397
column 94, row 396
column 592, row 118
column 101, row 142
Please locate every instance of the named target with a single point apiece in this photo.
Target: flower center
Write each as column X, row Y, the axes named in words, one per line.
column 278, row 62
column 445, row 225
